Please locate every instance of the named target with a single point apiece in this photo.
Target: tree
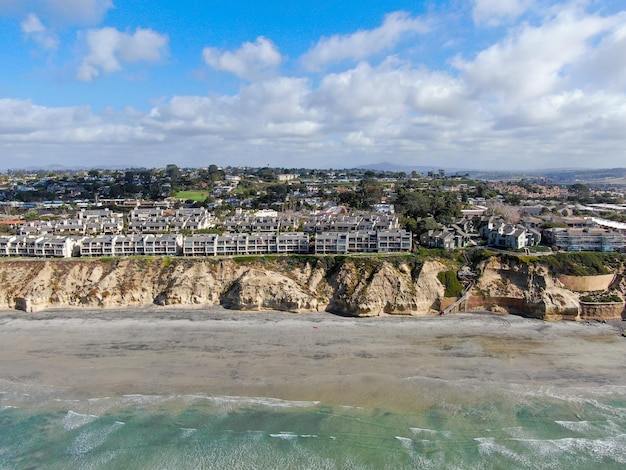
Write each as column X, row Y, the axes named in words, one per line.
column 267, row 175
column 370, row 192
column 582, row 193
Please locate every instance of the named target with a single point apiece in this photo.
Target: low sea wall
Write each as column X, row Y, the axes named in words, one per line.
column 473, row 303
column 587, row 283
column 602, row 311
column 513, row 305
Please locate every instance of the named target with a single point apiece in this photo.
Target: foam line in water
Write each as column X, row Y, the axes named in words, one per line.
column 405, row 441
column 285, row 435
column 488, row 447
column 186, row 432
column 597, row 449
column 73, row 420
column 430, row 432
column 264, row 401
column 90, row 439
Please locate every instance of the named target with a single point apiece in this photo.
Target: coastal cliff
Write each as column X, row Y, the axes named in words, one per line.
column 354, row 286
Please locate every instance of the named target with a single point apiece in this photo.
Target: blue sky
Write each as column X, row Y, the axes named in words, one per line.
column 473, row 84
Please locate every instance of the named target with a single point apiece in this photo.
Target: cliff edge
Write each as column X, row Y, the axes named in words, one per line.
column 353, row 286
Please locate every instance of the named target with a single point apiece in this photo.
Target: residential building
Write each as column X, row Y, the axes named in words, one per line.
column 362, row 241
column 584, row 239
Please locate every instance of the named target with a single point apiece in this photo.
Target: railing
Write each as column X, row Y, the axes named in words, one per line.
column 463, row 298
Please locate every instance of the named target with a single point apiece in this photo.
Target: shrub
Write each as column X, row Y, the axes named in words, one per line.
column 453, row 287
column 584, row 263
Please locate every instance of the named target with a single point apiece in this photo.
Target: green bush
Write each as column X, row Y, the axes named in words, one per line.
column 584, row 263
column 602, row 297
column 453, row 287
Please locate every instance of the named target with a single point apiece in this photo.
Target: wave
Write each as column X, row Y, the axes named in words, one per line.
column 90, row 439
column 73, row 420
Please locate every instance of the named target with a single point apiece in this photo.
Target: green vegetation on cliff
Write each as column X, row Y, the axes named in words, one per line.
column 583, row 263
column 453, row 287
column 602, row 297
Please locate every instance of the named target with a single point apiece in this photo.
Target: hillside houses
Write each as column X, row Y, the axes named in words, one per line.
column 363, row 241
column 330, row 222
column 40, row 247
column 227, row 244
column 245, row 244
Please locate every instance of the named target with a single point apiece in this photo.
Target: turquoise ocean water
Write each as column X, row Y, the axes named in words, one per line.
column 507, row 427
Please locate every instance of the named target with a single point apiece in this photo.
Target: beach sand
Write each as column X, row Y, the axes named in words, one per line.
column 397, row 362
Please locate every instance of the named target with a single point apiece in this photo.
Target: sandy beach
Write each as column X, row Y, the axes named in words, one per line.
column 344, row 361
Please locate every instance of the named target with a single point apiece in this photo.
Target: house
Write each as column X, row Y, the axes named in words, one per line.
column 97, row 246
column 394, row 241
column 200, row 245
column 57, row 247
column 362, row 241
column 128, row 245
column 439, row 238
column 294, row 242
column 163, row 244
column 331, row 243
column 5, row 243
column 508, row 236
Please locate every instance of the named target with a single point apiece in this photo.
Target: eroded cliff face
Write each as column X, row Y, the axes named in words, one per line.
column 367, row 288
column 542, row 294
column 356, row 286
column 360, row 287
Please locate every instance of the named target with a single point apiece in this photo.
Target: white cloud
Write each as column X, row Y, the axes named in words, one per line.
column 21, row 121
column 273, row 108
column 32, row 24
column 109, row 48
column 34, row 28
column 533, row 60
column 389, row 92
column 250, row 61
column 59, row 13
column 605, row 65
column 548, row 93
column 365, row 43
column 493, row 12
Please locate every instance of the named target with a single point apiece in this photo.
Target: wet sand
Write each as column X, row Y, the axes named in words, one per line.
column 349, row 361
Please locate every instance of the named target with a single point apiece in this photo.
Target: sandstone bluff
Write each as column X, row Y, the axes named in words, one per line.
column 344, row 285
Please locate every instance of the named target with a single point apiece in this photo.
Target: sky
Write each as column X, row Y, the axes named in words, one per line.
column 464, row 84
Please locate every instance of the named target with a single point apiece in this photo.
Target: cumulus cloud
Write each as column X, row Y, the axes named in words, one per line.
column 276, row 108
column 34, row 29
column 22, row 121
column 390, row 91
column 32, row 24
column 540, row 95
column 59, row 13
column 250, row 61
column 605, row 64
column 493, row 12
column 532, row 60
column 109, row 48
column 365, row 43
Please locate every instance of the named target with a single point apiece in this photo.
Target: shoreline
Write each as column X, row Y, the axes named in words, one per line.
column 393, row 361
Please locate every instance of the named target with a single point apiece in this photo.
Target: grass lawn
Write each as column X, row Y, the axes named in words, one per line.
column 198, row 196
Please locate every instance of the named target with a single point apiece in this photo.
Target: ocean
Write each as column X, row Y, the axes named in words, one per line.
column 427, row 393
column 542, row 428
